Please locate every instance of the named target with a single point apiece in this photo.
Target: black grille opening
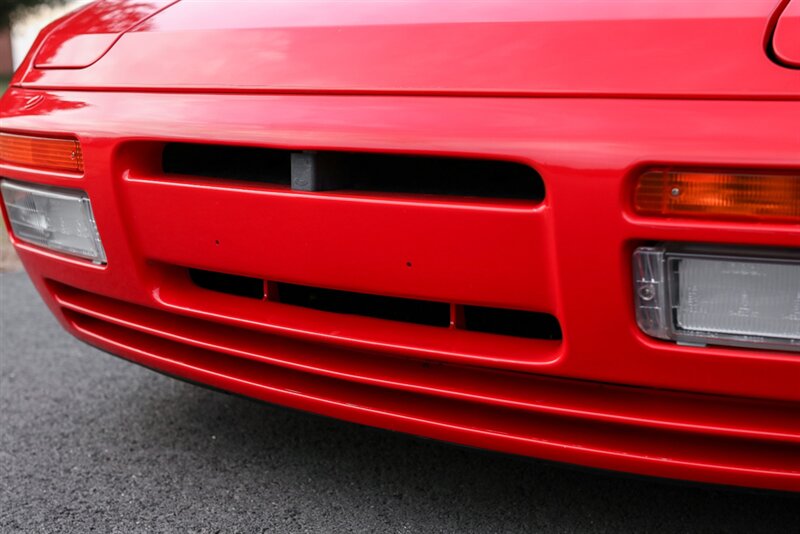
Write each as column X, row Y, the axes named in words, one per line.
column 380, row 307
column 468, row 178
column 428, row 175
column 242, row 163
column 511, row 322
column 242, row 286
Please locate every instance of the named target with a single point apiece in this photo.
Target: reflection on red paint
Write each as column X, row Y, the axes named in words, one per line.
column 36, row 103
column 83, row 38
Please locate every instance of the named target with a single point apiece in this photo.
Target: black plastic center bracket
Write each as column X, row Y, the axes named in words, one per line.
column 314, row 171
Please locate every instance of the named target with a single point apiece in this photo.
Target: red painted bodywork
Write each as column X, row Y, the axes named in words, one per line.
column 786, row 41
column 83, row 38
column 587, row 93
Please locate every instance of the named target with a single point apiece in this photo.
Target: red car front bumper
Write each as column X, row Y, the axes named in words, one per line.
column 604, row 395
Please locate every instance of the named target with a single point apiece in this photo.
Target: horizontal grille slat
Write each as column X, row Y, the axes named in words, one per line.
column 547, row 435
column 519, row 391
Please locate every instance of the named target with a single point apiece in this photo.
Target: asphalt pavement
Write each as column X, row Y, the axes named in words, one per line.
column 91, row 443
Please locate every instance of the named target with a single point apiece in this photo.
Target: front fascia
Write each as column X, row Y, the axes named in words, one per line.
column 581, row 237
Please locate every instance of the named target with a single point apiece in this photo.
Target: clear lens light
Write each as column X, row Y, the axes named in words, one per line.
column 738, row 298
column 722, row 299
column 650, row 291
column 58, row 219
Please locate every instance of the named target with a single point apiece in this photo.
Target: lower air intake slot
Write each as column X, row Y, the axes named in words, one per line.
column 375, row 173
column 511, row 322
column 390, row 308
column 499, row 321
column 241, row 286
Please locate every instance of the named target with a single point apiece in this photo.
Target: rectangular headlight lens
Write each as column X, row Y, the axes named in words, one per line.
column 718, row 298
column 58, row 219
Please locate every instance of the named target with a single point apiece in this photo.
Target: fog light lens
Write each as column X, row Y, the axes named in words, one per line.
column 718, row 297
column 58, row 219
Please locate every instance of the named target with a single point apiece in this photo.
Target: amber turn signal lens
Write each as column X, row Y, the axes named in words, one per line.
column 761, row 196
column 41, row 152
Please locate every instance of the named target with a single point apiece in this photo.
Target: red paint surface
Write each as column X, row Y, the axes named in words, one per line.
column 556, row 47
column 606, row 395
column 786, row 41
column 81, row 39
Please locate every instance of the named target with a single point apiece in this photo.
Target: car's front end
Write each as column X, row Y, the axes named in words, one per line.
column 557, row 231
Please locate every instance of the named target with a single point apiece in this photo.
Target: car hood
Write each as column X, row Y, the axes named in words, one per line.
column 560, row 47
